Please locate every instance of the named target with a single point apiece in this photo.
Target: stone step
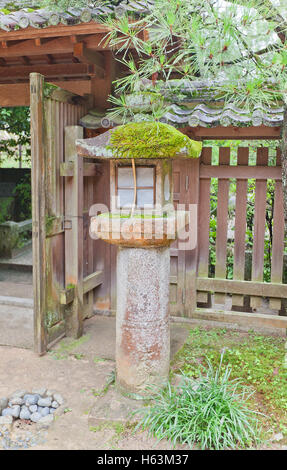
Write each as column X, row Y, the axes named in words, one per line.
column 16, row 301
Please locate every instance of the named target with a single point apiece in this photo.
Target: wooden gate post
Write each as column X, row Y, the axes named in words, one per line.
column 192, row 193
column 38, row 209
column 73, row 225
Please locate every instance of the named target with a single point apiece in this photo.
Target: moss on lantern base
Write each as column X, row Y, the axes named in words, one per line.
column 151, row 140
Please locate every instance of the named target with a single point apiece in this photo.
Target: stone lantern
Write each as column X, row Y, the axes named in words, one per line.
column 143, row 223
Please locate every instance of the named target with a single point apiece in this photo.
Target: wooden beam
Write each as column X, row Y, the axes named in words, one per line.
column 67, row 296
column 246, row 319
column 230, row 286
column 25, row 60
column 88, row 56
column 68, row 168
column 51, row 31
column 47, row 70
column 58, row 45
column 233, row 132
column 74, row 39
column 18, row 94
column 74, row 237
column 15, row 95
column 240, row 172
column 38, row 181
column 241, row 318
column 50, row 59
column 92, row 281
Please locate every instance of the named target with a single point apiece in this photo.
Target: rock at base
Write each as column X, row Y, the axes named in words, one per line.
column 6, row 423
column 45, row 422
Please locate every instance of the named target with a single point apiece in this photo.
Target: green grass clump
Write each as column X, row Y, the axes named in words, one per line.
column 257, row 360
column 211, row 412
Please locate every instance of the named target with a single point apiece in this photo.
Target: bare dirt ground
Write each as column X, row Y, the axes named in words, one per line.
column 79, row 371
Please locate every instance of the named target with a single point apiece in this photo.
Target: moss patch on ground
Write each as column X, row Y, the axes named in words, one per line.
column 259, row 361
column 68, row 347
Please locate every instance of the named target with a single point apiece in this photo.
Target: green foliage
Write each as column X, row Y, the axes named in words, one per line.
column 23, row 198
column 6, row 209
column 151, row 140
column 16, row 121
column 211, row 412
column 257, row 360
column 238, row 47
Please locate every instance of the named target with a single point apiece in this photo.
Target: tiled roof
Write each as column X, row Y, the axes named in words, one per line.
column 19, row 14
column 190, row 104
column 201, row 115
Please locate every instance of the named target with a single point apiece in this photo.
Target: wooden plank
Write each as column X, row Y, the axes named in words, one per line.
column 278, row 237
column 38, row 210
column 178, row 293
column 48, row 70
column 222, row 220
column 233, row 132
column 54, row 211
column 204, row 222
column 51, row 31
column 105, row 294
column 240, row 172
column 240, row 226
column 93, row 280
column 230, row 286
column 90, row 169
column 88, row 56
column 90, row 252
column 259, row 226
column 246, row 319
column 53, row 46
column 190, row 195
column 18, row 94
column 67, row 296
column 15, row 95
column 74, row 237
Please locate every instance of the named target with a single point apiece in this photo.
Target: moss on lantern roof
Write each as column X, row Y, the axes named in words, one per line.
column 151, row 140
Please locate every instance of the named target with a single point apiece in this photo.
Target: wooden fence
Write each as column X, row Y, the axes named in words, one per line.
column 274, row 290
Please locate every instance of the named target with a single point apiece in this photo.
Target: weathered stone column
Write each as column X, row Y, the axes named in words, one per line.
column 142, row 330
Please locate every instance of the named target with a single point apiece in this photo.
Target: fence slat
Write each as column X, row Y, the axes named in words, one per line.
column 259, row 226
column 278, row 237
column 222, row 219
column 204, row 221
column 240, row 226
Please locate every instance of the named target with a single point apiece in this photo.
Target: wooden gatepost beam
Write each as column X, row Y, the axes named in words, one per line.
column 38, row 209
column 73, row 226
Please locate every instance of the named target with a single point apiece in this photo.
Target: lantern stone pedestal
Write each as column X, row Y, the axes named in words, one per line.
column 142, row 320
column 142, row 323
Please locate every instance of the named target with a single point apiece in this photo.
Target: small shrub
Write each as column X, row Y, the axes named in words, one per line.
column 211, row 412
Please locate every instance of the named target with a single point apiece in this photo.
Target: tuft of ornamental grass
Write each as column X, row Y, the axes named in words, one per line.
column 210, row 412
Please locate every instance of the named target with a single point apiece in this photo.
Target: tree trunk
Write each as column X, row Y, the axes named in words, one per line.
column 284, row 164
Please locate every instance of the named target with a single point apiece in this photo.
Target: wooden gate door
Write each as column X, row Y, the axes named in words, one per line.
column 52, row 109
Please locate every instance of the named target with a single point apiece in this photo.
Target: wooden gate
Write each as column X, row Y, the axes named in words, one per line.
column 62, row 285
